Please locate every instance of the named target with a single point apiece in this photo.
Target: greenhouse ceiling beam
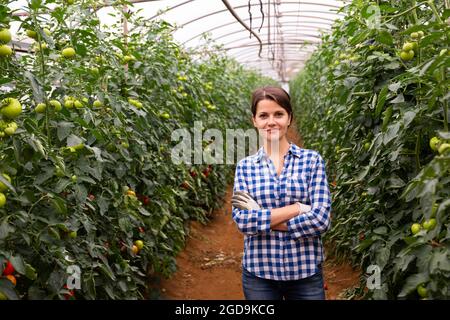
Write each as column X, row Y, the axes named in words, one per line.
column 259, row 18
column 257, row 4
column 251, row 53
column 236, row 16
column 239, row 31
column 170, row 9
column 265, row 44
column 300, row 36
column 246, row 51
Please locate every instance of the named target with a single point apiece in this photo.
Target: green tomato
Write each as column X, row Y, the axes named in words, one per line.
column 74, row 178
column 5, row 35
column 444, row 148
column 422, row 291
column 68, row 104
column 68, row 52
column 429, row 224
column 3, row 186
column 407, row 46
column 59, row 172
column 415, row 228
column 165, row 115
column 139, row 244
column 407, row 55
column 97, row 104
column 40, row 108
column 414, row 35
column 77, row 104
column 434, row 143
column 31, row 33
column 56, row 104
column 2, row 200
column 73, row 234
column 78, row 146
column 5, row 51
column 95, row 70
column 10, row 131
column 11, row 108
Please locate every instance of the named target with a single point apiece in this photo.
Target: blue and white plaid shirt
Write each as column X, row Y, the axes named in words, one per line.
column 279, row 255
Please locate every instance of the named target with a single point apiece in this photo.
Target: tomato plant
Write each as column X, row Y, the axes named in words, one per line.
column 94, row 112
column 380, row 120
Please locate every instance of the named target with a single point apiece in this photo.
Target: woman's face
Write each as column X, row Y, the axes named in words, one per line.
column 271, row 120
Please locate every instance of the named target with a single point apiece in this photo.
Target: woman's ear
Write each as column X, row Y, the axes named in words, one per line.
column 254, row 122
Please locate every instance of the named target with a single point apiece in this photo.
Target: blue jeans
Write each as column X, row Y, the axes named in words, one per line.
column 256, row 288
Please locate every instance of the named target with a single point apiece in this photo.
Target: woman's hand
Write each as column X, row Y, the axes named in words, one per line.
column 280, row 216
column 243, row 201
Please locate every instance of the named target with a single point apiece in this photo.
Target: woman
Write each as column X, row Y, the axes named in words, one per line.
column 281, row 203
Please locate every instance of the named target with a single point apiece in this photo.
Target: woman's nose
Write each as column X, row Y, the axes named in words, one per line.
column 271, row 120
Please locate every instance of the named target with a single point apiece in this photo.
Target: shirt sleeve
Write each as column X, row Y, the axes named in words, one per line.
column 249, row 222
column 316, row 221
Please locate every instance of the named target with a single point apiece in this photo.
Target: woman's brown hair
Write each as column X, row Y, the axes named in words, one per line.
column 277, row 94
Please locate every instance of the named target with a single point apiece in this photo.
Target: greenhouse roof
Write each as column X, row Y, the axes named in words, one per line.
column 272, row 36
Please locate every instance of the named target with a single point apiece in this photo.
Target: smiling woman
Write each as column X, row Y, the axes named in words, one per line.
column 282, row 223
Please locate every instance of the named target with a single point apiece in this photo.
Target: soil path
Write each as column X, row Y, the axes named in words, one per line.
column 209, row 267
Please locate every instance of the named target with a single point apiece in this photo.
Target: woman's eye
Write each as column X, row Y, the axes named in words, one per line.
column 263, row 116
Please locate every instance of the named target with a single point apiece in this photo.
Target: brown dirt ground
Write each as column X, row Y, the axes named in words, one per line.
column 209, row 267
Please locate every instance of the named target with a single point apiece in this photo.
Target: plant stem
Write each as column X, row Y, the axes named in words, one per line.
column 416, row 20
column 446, row 115
column 39, row 42
column 436, row 13
column 416, row 151
column 402, row 13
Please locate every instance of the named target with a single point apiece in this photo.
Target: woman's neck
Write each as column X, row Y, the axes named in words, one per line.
column 276, row 148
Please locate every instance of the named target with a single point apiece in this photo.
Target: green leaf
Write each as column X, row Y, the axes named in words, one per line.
column 35, row 293
column 56, row 280
column 18, row 264
column 30, row 272
column 5, row 229
column 391, row 133
column 144, row 212
column 411, row 284
column 381, row 100
column 7, row 288
column 61, row 185
column 381, row 230
column 398, row 99
column 73, row 140
column 385, row 38
column 440, row 260
column 106, row 270
column 37, row 88
column 382, row 256
column 64, row 129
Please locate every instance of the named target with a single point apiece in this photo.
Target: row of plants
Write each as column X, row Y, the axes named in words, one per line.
column 86, row 174
column 373, row 99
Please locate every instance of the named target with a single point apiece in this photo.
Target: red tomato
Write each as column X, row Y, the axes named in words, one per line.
column 9, row 269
